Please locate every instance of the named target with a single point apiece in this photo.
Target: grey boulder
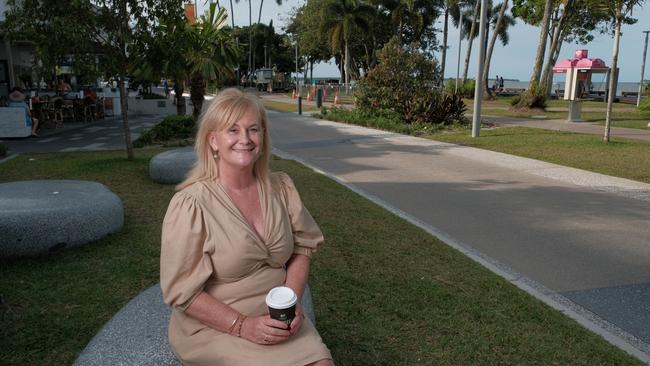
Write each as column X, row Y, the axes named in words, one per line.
column 41, row 216
column 171, row 167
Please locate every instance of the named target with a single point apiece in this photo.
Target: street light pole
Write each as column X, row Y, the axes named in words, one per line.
column 478, row 85
column 460, row 40
column 645, row 50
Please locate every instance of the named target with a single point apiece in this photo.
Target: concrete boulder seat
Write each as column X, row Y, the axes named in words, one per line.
column 170, row 167
column 137, row 334
column 41, row 216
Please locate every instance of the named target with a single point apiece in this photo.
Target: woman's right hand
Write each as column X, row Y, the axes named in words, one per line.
column 264, row 330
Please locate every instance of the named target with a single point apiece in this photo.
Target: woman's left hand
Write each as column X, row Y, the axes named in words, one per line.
column 297, row 320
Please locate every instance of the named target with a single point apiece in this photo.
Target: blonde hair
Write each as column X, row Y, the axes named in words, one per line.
column 228, row 107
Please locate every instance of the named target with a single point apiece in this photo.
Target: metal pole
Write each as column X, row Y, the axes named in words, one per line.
column 645, row 50
column 265, row 56
column 460, row 40
column 478, row 85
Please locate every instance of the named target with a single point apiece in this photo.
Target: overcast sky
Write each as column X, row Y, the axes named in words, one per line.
column 513, row 61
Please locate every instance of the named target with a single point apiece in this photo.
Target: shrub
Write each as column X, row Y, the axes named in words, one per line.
column 465, row 90
column 152, row 96
column 402, row 82
column 3, row 150
column 645, row 105
column 383, row 119
column 171, row 128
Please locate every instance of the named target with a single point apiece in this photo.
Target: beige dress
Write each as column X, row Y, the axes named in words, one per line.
column 207, row 245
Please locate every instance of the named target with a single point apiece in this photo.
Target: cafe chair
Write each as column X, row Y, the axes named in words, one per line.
column 108, row 105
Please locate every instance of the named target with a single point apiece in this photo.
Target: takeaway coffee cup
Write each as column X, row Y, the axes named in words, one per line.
column 282, row 304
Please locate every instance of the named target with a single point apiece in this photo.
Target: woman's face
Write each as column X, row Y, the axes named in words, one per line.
column 239, row 146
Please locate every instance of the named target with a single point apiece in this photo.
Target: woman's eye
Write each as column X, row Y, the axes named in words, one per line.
column 232, row 130
column 253, row 130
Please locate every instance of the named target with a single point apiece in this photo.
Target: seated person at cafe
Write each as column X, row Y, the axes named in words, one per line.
column 17, row 99
column 63, row 87
column 91, row 93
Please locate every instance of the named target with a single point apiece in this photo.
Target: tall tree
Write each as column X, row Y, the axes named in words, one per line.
column 343, row 17
column 617, row 9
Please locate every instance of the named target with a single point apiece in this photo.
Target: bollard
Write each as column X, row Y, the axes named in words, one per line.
column 299, row 104
column 319, row 98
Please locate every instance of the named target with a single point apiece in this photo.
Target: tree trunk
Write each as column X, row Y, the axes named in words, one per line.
column 541, row 45
column 259, row 16
column 125, row 116
column 250, row 41
column 613, row 74
column 180, row 100
column 470, row 40
column 554, row 50
column 347, row 62
column 197, row 91
column 232, row 15
column 443, row 57
column 490, row 48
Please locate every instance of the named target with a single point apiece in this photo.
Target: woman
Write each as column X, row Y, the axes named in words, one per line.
column 233, row 232
column 17, row 99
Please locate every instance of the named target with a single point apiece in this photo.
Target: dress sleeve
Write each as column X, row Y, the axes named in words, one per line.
column 307, row 236
column 185, row 263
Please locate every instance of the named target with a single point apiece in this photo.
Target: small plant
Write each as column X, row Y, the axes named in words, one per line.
column 3, row 150
column 171, row 128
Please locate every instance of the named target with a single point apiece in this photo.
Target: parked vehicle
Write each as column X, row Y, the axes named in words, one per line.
column 271, row 80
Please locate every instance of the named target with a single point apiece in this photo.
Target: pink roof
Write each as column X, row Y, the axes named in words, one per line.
column 586, row 63
column 591, row 63
column 563, row 65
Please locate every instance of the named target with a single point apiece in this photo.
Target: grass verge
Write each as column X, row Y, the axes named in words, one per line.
column 287, row 107
column 385, row 291
column 620, row 157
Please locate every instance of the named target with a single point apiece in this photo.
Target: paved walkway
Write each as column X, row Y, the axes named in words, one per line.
column 563, row 125
column 102, row 134
column 576, row 240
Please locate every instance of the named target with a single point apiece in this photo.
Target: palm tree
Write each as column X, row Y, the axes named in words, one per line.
column 500, row 23
column 471, row 19
column 344, row 16
column 211, row 55
column 452, row 9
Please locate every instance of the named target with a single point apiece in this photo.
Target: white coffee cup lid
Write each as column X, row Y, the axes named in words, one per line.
column 281, row 298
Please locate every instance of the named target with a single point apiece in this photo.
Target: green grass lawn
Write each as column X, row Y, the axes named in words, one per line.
column 386, row 292
column 621, row 157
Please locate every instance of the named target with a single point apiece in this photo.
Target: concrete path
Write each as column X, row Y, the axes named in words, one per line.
column 577, row 240
column 563, row 125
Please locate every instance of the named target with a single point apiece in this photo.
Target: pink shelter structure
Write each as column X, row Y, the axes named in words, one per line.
column 578, row 72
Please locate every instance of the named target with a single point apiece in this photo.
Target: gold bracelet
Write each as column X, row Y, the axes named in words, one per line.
column 241, row 323
column 232, row 326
